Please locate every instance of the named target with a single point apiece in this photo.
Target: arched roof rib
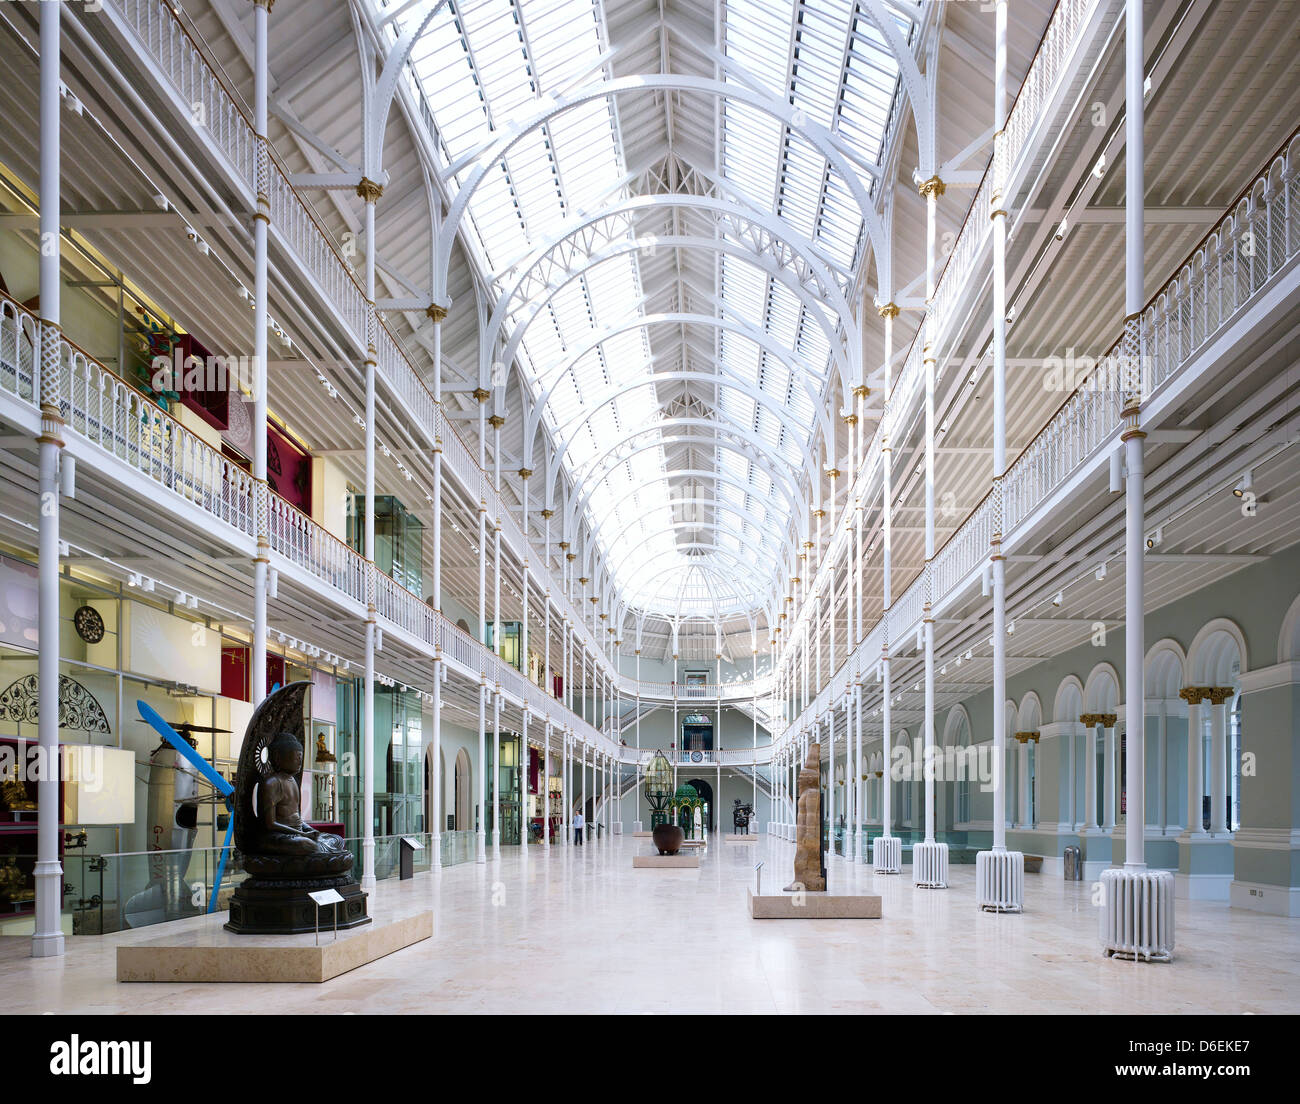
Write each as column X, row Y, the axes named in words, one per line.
column 524, row 113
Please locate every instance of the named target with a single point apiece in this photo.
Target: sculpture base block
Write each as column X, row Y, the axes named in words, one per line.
column 741, row 839
column 694, row 843
column 210, row 953
column 814, row 906
column 666, row 862
column 266, row 906
column 642, row 835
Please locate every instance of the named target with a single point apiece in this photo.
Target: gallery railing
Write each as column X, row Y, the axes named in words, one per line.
column 102, row 407
column 183, row 65
column 1249, row 246
column 1058, row 44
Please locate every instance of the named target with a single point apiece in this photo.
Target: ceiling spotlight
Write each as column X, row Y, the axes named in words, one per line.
column 1156, row 537
column 1243, row 485
column 1101, row 571
column 1011, row 314
column 1060, row 596
column 969, row 653
column 1011, row 627
column 1062, row 230
column 1099, row 169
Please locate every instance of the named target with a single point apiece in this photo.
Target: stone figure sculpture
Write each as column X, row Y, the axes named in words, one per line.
column 286, row 859
column 809, row 860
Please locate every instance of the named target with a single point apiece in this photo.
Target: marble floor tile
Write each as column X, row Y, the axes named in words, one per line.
column 566, row 931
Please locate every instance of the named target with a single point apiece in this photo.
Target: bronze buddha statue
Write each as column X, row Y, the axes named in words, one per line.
column 286, row 859
column 278, row 801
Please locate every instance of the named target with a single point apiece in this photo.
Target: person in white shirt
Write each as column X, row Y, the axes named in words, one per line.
column 578, row 825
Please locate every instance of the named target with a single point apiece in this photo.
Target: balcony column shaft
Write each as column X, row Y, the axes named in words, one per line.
column 47, row 937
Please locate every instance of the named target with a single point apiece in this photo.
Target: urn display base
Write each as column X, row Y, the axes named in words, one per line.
column 268, row 906
column 814, row 906
column 665, row 862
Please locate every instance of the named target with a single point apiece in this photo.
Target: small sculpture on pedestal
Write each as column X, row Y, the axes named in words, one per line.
column 809, row 856
column 285, row 858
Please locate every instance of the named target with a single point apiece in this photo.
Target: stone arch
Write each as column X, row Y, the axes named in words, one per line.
column 1165, row 669
column 1030, row 714
column 1210, row 658
column 957, row 720
column 1101, row 693
column 1069, row 700
column 1288, row 638
column 464, row 792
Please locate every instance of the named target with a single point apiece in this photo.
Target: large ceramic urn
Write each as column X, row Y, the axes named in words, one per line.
column 667, row 838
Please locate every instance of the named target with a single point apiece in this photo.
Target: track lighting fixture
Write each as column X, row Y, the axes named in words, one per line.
column 1243, row 485
column 1156, row 537
column 1101, row 571
column 1060, row 596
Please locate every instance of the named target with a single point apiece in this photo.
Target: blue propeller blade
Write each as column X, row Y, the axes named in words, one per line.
column 182, row 745
column 205, row 769
column 221, row 864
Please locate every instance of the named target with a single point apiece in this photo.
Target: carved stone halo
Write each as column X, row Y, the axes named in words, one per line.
column 89, row 624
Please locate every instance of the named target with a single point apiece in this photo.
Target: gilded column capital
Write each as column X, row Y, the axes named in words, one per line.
column 496, row 421
column 369, row 190
column 1194, row 695
column 888, row 310
column 436, row 312
column 482, row 394
column 1218, row 694
column 934, row 186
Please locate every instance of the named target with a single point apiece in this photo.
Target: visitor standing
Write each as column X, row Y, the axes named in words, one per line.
column 578, row 825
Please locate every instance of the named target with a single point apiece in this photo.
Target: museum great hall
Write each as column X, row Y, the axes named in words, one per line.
column 807, row 491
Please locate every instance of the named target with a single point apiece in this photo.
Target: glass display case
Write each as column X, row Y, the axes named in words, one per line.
column 510, row 778
column 399, row 539
column 324, row 774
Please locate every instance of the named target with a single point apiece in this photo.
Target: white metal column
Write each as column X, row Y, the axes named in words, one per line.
column 999, row 873
column 47, row 937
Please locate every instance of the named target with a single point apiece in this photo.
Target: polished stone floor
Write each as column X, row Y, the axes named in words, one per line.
column 578, row 930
